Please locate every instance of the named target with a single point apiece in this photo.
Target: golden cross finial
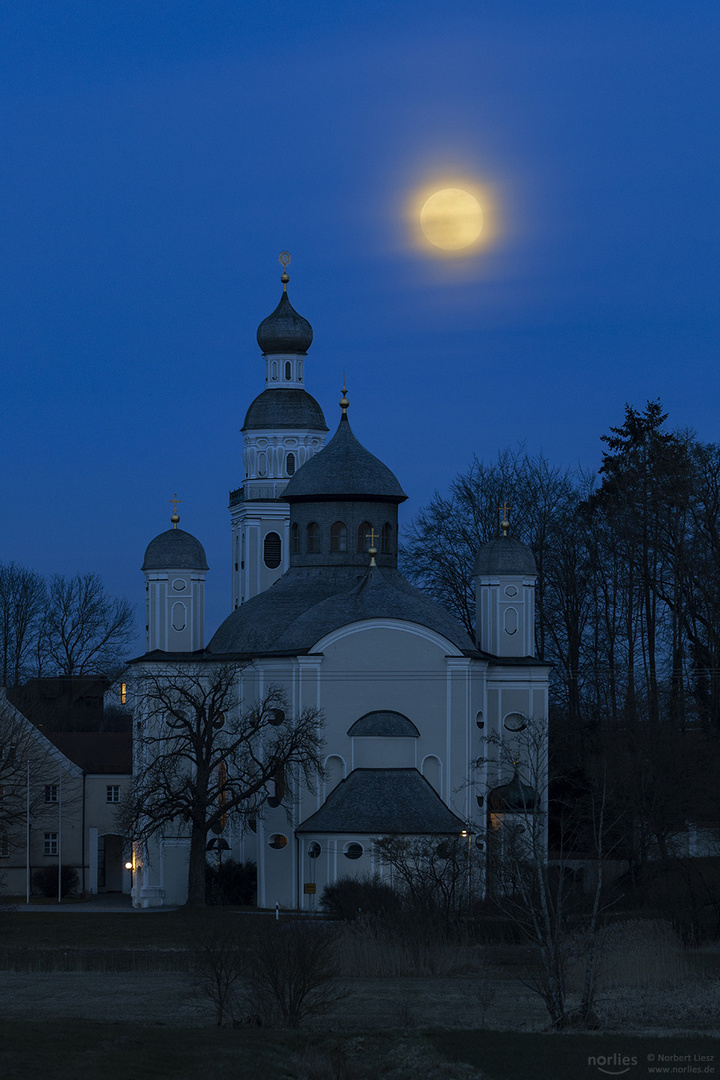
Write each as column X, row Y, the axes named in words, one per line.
column 284, row 259
column 372, row 536
column 344, row 399
column 175, row 517
column 505, row 524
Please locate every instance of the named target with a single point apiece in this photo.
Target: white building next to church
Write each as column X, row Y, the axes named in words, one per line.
column 410, row 702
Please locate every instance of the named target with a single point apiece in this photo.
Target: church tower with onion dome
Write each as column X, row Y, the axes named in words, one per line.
column 175, row 567
column 284, row 427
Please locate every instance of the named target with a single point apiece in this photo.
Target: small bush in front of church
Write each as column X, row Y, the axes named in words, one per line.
column 233, row 883
column 45, row 881
column 352, row 898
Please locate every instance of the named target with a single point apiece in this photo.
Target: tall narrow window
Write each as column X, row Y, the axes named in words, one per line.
column 363, row 542
column 50, row 846
column 313, row 538
column 338, row 536
column 288, row 370
column 386, row 542
column 290, row 464
column 123, row 693
column 51, row 793
column 272, row 550
column 295, row 538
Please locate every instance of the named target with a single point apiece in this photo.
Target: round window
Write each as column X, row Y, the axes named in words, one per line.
column 510, row 590
column 480, row 720
column 353, row 851
column 515, row 721
column 178, row 584
column 278, row 841
column 314, row 849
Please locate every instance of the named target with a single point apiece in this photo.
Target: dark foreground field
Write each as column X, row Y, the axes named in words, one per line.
column 86, row 996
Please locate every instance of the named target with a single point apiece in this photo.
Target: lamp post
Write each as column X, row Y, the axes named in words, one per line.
column 467, row 833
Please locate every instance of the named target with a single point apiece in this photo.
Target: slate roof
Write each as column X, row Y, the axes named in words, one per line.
column 384, row 802
column 104, row 752
column 505, row 555
column 284, row 331
column 307, row 603
column 513, row 797
column 175, row 549
column 344, row 470
column 387, row 724
column 283, row 408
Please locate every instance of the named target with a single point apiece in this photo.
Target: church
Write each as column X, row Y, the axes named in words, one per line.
column 410, row 703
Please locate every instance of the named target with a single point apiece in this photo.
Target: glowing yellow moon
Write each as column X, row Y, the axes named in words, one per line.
column 451, row 219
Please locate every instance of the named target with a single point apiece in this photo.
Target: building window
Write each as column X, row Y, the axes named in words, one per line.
column 295, row 538
column 338, row 536
column 314, row 850
column 288, row 371
column 353, row 851
column 272, row 551
column 123, row 693
column 313, row 538
column 51, row 793
column 278, row 841
column 51, row 843
column 363, row 539
column 386, row 539
column 290, row 464
column 113, row 792
column 4, row 846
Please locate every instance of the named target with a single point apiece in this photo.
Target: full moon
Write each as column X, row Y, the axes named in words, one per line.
column 451, row 219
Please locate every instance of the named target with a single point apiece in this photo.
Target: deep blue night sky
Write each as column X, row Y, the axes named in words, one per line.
column 158, row 156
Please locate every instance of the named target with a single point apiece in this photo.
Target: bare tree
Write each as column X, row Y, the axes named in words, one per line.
column 84, row 630
column 22, row 602
column 433, row 872
column 200, row 757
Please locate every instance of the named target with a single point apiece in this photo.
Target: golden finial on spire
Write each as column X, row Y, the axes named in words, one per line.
column 344, row 399
column 372, row 536
column 284, row 260
column 505, row 524
column 175, row 517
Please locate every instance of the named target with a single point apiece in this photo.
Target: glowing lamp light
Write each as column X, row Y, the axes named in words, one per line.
column 128, row 866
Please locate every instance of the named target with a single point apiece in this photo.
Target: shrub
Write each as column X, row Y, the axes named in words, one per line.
column 234, row 883
column 45, row 880
column 349, row 898
column 217, row 962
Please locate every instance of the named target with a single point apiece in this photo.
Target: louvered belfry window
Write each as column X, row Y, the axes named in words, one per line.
column 272, row 551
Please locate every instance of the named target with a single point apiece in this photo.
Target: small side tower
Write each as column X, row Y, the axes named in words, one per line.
column 175, row 568
column 505, row 576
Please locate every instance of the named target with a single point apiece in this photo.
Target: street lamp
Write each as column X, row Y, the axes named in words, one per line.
column 467, row 833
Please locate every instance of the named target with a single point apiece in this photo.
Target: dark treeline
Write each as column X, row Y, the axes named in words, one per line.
column 627, row 601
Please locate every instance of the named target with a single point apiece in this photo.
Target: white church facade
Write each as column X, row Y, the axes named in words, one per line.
column 416, row 713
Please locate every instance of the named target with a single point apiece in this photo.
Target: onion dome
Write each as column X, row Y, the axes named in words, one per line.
column 505, row 555
column 175, row 549
column 278, row 409
column 344, row 470
column 513, row 798
column 284, row 331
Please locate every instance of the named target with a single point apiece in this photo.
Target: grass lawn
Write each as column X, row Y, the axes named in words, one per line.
column 84, row 1051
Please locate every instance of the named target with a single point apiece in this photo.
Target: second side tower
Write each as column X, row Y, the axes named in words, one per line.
column 284, row 427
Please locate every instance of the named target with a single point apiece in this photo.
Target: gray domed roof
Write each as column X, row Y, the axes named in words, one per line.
column 284, row 408
column 344, row 470
column 284, row 331
column 387, row 724
column 175, row 549
column 513, row 798
column 505, row 555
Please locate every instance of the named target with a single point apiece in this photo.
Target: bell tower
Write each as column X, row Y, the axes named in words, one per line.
column 505, row 576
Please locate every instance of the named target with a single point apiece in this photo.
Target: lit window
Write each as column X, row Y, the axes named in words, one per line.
column 338, row 536
column 113, row 792
column 51, row 843
column 290, row 464
column 278, row 841
column 4, row 846
column 353, row 851
column 313, row 538
column 123, row 693
column 272, row 552
column 51, row 793
column 363, row 543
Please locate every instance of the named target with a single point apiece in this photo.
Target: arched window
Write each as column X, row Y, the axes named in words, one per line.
column 313, row 538
column 386, row 539
column 288, row 371
column 334, row 772
column 363, row 541
column 295, row 538
column 338, row 536
column 272, row 550
column 432, row 771
column 290, row 464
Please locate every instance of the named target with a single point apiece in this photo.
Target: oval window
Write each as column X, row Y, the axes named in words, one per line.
column 480, row 720
column 353, row 851
column 288, row 371
column 515, row 721
column 290, row 464
column 272, row 550
column 179, row 616
column 178, row 584
column 314, row 849
column 511, row 621
column 510, row 590
column 278, row 841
